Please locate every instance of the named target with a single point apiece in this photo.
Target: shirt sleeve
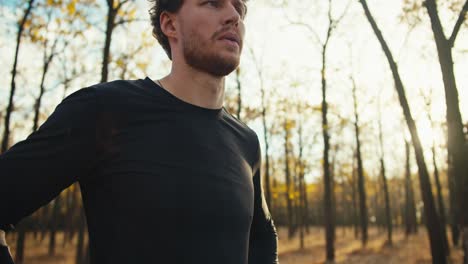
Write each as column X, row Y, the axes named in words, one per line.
column 263, row 236
column 5, row 256
column 60, row 152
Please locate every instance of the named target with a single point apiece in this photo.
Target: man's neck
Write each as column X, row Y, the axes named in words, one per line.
column 195, row 87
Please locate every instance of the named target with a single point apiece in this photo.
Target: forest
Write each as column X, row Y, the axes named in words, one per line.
column 360, row 106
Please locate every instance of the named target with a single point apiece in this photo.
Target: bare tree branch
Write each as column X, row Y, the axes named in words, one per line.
column 460, row 20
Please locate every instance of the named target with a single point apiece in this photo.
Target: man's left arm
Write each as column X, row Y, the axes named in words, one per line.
column 263, row 245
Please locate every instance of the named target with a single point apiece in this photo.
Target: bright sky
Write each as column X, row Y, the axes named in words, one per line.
column 290, row 62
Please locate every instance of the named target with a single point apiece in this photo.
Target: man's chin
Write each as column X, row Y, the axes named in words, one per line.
column 222, row 67
column 218, row 65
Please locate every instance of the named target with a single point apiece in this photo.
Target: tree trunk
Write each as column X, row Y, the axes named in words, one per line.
column 360, row 170
column 239, row 97
column 456, row 143
column 388, row 216
column 289, row 193
column 111, row 14
column 54, row 224
column 410, row 208
column 81, row 237
column 440, row 202
column 45, row 68
column 327, row 179
column 10, row 107
column 21, row 239
column 454, row 213
column 267, row 146
column 353, row 189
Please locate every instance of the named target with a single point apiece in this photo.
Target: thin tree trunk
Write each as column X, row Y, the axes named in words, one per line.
column 353, row 189
column 287, row 175
column 327, row 179
column 265, row 138
column 10, row 107
column 302, row 187
column 81, row 237
column 440, row 202
column 239, row 94
column 45, row 67
column 410, row 208
column 360, row 173
column 388, row 209
column 53, row 224
column 388, row 215
column 111, row 14
column 21, row 239
column 454, row 213
column 329, row 214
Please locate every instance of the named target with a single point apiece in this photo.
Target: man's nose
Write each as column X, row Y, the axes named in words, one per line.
column 232, row 15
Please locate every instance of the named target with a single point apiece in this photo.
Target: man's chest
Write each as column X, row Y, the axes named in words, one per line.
column 196, row 173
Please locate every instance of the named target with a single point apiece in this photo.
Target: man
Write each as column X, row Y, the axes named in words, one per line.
column 166, row 174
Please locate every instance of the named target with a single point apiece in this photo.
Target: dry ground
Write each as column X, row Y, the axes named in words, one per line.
column 348, row 250
column 412, row 250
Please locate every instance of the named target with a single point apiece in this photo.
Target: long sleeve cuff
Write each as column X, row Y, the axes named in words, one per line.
column 5, row 256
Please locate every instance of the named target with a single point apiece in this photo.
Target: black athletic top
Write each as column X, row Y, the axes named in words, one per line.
column 162, row 180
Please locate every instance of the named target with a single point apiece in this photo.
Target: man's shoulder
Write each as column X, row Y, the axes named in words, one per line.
column 239, row 124
column 249, row 136
column 118, row 87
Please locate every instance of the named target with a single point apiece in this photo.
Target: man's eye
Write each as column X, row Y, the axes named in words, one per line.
column 241, row 9
column 212, row 3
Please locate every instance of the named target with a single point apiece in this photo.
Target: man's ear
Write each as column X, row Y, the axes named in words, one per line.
column 168, row 24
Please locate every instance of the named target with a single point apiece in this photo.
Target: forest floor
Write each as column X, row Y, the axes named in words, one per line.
column 414, row 249
column 348, row 250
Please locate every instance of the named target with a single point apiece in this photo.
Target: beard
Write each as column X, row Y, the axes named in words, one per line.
column 199, row 57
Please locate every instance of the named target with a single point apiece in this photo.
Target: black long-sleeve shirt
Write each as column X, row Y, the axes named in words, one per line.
column 162, row 180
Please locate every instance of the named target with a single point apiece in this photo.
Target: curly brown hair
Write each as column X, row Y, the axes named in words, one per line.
column 155, row 11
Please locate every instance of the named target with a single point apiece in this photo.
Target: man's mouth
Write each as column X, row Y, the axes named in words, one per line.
column 231, row 38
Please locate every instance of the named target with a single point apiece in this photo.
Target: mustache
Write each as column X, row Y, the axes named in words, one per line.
column 225, row 29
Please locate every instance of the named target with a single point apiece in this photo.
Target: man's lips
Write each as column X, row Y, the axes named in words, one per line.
column 231, row 37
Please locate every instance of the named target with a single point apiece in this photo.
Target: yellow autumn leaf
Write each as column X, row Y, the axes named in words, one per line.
column 71, row 8
column 120, row 63
column 132, row 14
column 142, row 65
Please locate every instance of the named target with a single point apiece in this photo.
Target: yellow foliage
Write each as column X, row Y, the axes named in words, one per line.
column 120, row 63
column 290, row 124
column 115, row 3
column 27, row 24
column 142, row 65
column 71, row 8
column 132, row 13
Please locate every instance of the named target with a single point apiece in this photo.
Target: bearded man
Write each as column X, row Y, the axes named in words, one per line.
column 167, row 175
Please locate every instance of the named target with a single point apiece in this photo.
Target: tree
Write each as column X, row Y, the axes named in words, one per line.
column 432, row 219
column 456, row 144
column 239, row 94
column 287, row 126
column 118, row 13
column 411, row 225
column 21, row 27
column 360, row 172
column 440, row 200
column 388, row 216
column 263, row 111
